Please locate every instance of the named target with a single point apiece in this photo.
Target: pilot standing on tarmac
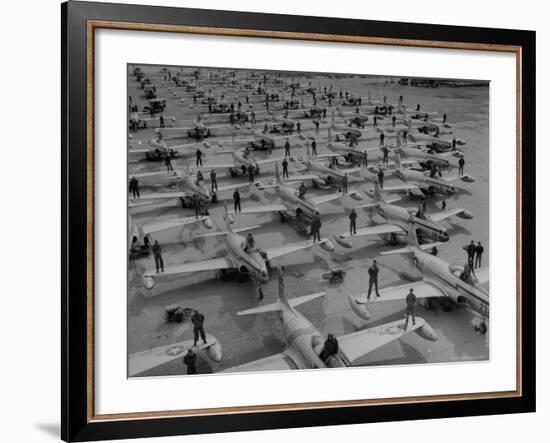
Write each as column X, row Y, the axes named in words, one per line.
column 373, row 279
column 157, row 253
column 190, row 360
column 168, row 162
column 365, row 158
column 199, row 157
column 479, row 253
column 251, row 173
column 470, row 250
column 353, row 222
column 381, row 178
column 461, row 166
column 198, row 327
column 213, row 180
column 237, row 200
column 411, row 302
column 314, row 147
column 298, row 127
column 285, row 168
column 134, row 187
column 287, row 148
column 316, row 227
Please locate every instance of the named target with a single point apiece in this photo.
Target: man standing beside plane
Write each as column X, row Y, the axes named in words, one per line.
column 134, row 187
column 198, row 327
column 314, row 148
column 237, row 200
column 381, row 178
column 287, row 148
column 157, row 253
column 285, row 168
column 316, row 227
column 479, row 253
column 213, row 180
column 373, row 279
column 461, row 162
column 353, row 222
column 199, row 157
column 411, row 302
column 251, row 173
column 168, row 162
column 470, row 250
column 298, row 127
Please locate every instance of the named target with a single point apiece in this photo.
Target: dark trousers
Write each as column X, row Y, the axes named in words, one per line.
column 169, row 167
column 471, row 260
column 314, row 150
column 381, row 182
column 159, row 263
column 287, row 152
column 199, row 161
column 285, row 172
column 135, row 192
column 477, row 261
column 352, row 227
column 344, row 188
column 199, row 330
column 316, row 234
column 214, row 184
column 371, row 283
column 237, row 206
column 191, row 369
column 460, row 170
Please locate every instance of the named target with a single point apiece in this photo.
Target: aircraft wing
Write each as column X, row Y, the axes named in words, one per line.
column 233, row 186
column 263, row 209
column 186, row 146
column 421, row 290
column 361, row 343
column 375, row 230
column 442, row 215
column 277, row 362
column 154, row 174
column 279, row 251
column 205, row 265
column 163, row 195
column 142, row 361
column 266, row 161
column 220, row 166
column 175, row 223
column 319, row 199
column 302, row 177
column 400, row 187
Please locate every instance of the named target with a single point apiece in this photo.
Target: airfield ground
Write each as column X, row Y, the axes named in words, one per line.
column 246, row 338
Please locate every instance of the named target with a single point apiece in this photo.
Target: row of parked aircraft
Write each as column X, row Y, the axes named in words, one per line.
column 342, row 161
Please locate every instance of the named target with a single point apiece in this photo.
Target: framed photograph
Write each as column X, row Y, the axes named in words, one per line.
column 276, row 221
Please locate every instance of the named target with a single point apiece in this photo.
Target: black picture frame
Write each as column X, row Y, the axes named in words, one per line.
column 77, row 422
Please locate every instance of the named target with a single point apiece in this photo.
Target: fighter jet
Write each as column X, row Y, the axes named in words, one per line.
column 188, row 184
column 420, row 183
column 304, row 207
column 242, row 159
column 158, row 150
column 439, row 279
column 140, row 362
column 396, row 220
column 240, row 256
column 140, row 235
column 199, row 130
column 306, row 344
column 320, row 171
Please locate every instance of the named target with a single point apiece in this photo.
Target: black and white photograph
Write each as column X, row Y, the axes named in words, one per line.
column 284, row 220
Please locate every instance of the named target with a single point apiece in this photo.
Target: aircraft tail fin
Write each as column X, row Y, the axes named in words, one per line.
column 283, row 302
